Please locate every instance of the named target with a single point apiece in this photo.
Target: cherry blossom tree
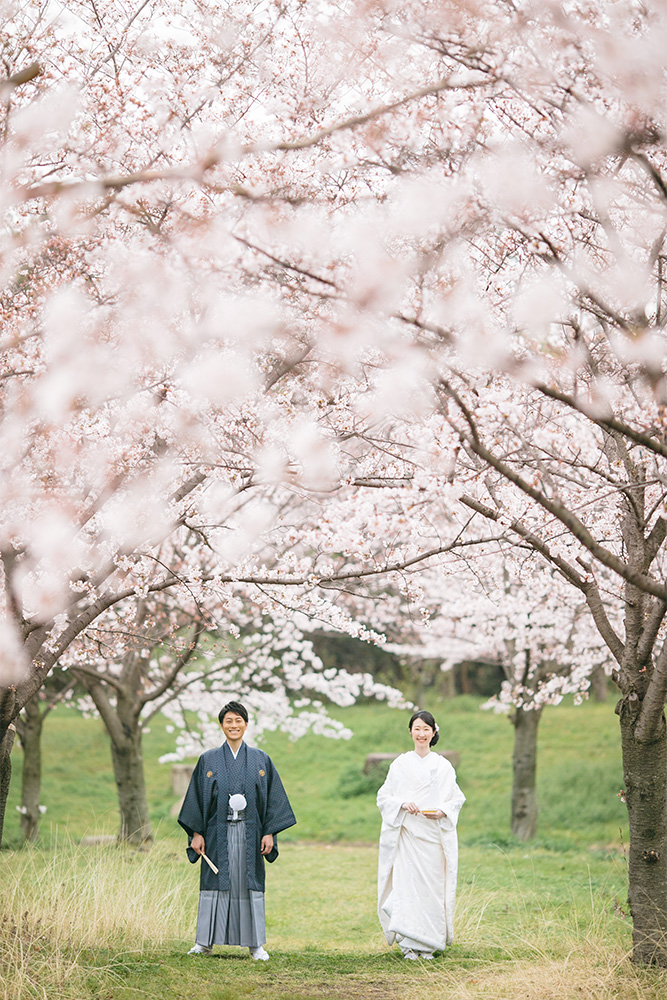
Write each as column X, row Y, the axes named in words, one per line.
column 147, row 657
column 540, row 631
column 497, row 602
column 547, row 264
column 29, row 726
column 222, row 223
column 127, row 662
column 549, row 647
column 118, row 445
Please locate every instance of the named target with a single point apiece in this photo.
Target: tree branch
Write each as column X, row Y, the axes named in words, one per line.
column 181, row 661
column 651, row 715
column 588, row 587
column 576, row 527
column 650, row 631
column 644, row 438
column 23, row 76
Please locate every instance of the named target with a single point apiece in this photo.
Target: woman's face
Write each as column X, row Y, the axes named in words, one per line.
column 421, row 734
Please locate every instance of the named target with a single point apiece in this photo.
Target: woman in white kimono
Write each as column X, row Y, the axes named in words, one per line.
column 420, row 803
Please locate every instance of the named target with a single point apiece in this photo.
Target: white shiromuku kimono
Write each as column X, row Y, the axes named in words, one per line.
column 418, row 859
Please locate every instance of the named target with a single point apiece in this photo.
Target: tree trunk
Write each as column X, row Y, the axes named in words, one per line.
column 524, row 771
column 448, row 684
column 30, row 736
column 599, row 684
column 645, row 777
column 128, row 768
column 5, row 771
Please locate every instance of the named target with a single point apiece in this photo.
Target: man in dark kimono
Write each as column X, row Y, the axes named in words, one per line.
column 234, row 838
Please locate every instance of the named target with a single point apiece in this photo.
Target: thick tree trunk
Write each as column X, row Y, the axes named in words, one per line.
column 5, row 771
column 599, row 684
column 31, row 783
column 645, row 777
column 524, row 772
column 128, row 768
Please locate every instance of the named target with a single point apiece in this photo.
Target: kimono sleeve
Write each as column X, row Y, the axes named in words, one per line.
column 451, row 798
column 191, row 817
column 390, row 798
column 279, row 815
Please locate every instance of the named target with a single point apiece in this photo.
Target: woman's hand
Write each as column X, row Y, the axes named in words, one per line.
column 198, row 843
column 266, row 845
column 411, row 807
column 438, row 814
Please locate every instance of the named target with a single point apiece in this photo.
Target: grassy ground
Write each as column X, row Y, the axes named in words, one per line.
column 106, row 922
column 539, row 922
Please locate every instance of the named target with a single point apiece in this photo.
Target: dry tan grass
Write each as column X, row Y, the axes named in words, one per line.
column 82, row 897
column 55, row 906
column 586, row 975
column 63, row 912
column 540, row 955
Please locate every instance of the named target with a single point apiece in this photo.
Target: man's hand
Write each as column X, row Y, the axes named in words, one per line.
column 267, row 844
column 198, row 844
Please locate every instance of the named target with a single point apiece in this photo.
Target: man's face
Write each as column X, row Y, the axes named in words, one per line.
column 233, row 726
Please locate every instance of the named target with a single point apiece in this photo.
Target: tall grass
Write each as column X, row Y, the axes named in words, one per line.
column 82, row 897
column 522, row 935
column 543, row 954
column 62, row 906
column 85, row 923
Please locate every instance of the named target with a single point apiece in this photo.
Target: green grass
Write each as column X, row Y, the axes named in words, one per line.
column 107, row 922
column 544, row 921
column 579, row 775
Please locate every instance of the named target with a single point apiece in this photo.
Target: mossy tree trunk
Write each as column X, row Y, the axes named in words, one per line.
column 6, row 744
column 123, row 724
column 8, row 711
column 642, row 679
column 128, row 769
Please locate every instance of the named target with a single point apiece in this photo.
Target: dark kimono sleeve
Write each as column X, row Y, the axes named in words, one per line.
column 192, row 815
column 279, row 815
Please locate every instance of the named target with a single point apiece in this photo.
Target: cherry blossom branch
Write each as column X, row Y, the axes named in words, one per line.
column 197, row 629
column 577, row 528
column 31, row 72
column 588, row 587
column 198, row 171
column 95, row 675
column 611, row 423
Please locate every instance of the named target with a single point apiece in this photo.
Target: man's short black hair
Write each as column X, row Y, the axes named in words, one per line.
column 233, row 706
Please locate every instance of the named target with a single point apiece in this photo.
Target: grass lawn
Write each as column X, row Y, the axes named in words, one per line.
column 107, row 922
column 544, row 921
